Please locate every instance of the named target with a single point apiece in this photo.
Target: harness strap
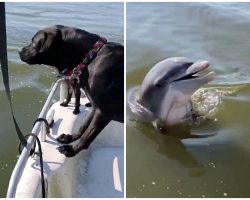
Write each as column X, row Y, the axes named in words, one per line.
column 88, row 58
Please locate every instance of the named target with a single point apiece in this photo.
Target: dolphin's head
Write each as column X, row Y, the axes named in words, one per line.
column 170, row 84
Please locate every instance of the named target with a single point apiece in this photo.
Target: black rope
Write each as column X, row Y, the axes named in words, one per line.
column 47, row 125
column 5, row 72
column 5, row 75
column 41, row 160
column 32, row 150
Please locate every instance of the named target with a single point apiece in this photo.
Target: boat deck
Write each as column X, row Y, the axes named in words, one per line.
column 96, row 172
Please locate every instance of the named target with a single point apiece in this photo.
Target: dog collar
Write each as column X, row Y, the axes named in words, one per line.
column 88, row 58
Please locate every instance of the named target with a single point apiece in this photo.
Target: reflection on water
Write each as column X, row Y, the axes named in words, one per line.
column 212, row 159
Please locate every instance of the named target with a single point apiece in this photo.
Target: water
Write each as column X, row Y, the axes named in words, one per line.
column 173, row 165
column 29, row 84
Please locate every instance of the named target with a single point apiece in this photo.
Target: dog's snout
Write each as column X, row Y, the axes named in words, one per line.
column 21, row 52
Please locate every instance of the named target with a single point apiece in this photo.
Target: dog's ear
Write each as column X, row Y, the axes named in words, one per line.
column 50, row 37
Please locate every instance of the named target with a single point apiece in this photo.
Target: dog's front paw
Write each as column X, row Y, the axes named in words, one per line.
column 76, row 111
column 65, row 138
column 64, row 104
column 67, row 150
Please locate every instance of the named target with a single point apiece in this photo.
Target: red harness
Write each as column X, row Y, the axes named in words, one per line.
column 88, row 58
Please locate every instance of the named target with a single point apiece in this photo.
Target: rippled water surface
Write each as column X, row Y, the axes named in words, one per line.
column 173, row 165
column 29, row 84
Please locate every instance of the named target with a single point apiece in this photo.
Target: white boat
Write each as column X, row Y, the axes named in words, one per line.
column 95, row 172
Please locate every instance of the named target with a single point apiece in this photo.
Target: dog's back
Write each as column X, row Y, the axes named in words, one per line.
column 106, row 80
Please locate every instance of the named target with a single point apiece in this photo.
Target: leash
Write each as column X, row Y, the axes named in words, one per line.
column 32, row 153
column 5, row 72
column 5, row 75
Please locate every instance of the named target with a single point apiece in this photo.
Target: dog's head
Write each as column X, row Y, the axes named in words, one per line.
column 59, row 46
column 43, row 46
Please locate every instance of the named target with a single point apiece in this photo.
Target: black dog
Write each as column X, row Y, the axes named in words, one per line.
column 102, row 79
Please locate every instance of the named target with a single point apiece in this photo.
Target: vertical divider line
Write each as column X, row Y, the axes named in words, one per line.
column 125, row 89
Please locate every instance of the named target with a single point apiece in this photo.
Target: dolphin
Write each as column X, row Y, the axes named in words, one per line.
column 164, row 97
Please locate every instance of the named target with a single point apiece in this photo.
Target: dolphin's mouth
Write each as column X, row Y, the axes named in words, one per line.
column 190, row 76
column 196, row 70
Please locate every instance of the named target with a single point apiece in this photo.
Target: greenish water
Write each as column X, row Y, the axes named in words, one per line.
column 171, row 165
column 30, row 84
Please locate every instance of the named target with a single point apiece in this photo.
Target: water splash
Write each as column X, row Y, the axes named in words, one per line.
column 205, row 102
column 140, row 112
